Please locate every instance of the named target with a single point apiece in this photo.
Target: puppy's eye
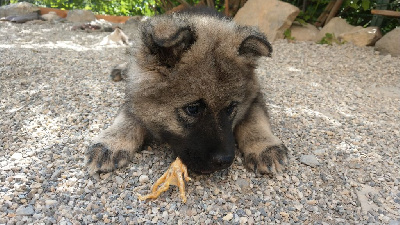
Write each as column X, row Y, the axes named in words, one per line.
column 194, row 109
column 231, row 108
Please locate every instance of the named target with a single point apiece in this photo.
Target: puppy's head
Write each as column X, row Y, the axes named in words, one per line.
column 191, row 81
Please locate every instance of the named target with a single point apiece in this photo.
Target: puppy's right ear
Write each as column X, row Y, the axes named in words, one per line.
column 255, row 45
column 167, row 38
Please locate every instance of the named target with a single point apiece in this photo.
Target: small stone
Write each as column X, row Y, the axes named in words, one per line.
column 284, row 214
column 143, row 179
column 17, row 156
column 319, row 152
column 228, row 217
column 104, row 176
column 312, row 202
column 243, row 220
column 216, row 191
column 50, row 202
column 119, row 180
column 36, row 185
column 25, row 211
column 56, row 174
column 243, row 183
column 309, row 160
column 89, row 184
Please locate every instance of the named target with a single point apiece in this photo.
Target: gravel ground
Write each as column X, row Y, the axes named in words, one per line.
column 335, row 107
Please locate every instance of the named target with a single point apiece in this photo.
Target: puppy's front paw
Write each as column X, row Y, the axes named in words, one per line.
column 102, row 159
column 271, row 160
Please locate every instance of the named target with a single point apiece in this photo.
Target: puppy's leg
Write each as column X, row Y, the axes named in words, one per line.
column 114, row 147
column 263, row 151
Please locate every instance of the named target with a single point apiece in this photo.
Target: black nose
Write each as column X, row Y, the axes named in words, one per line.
column 222, row 161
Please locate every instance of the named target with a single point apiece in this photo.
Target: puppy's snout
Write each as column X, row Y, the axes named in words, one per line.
column 222, row 161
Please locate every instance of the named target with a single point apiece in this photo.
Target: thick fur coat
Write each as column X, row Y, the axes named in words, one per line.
column 191, row 84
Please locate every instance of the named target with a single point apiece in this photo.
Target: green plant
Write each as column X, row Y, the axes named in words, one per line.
column 288, row 35
column 330, row 39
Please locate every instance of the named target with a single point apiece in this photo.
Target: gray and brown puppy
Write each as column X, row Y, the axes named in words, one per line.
column 191, row 84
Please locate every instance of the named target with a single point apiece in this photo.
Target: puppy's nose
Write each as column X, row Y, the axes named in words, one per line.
column 222, row 161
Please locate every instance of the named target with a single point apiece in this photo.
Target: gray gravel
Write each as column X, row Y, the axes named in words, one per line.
column 338, row 105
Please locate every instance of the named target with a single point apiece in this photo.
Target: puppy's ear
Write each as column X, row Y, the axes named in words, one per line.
column 167, row 38
column 255, row 45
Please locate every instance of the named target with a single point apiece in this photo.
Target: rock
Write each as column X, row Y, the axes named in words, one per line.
column 335, row 26
column 56, row 174
column 319, row 151
column 17, row 156
column 309, row 160
column 394, row 222
column 228, row 217
column 117, row 37
column 307, row 32
column 243, row 220
column 50, row 16
column 143, row 179
column 119, row 72
column 18, row 9
column 24, row 18
column 243, row 183
column 389, row 44
column 362, row 36
column 362, row 194
column 49, row 202
column 119, row 180
column 103, row 24
column 272, row 17
column 79, row 15
column 25, row 210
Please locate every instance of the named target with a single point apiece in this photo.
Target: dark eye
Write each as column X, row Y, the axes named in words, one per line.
column 195, row 109
column 231, row 108
column 192, row 110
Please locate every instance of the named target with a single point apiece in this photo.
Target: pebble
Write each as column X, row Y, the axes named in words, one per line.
column 119, row 180
column 309, row 160
column 319, row 152
column 243, row 183
column 143, row 179
column 228, row 217
column 50, row 202
column 25, row 210
column 17, row 156
column 243, row 220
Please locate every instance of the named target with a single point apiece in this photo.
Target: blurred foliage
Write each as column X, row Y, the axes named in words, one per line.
column 356, row 12
column 330, row 39
column 107, row 7
column 288, row 35
column 112, row 7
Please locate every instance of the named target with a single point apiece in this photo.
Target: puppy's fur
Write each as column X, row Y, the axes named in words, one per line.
column 191, row 84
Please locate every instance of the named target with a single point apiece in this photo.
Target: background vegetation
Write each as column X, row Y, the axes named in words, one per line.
column 356, row 12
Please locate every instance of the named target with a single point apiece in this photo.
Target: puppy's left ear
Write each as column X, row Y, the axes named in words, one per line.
column 167, row 38
column 255, row 45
